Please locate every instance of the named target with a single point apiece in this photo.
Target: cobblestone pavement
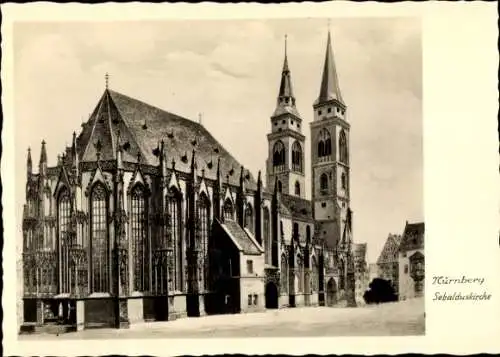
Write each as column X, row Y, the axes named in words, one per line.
column 395, row 319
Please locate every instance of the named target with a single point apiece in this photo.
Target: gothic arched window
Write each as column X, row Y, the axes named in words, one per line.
column 249, row 218
column 315, row 274
column 267, row 236
column 228, row 209
column 174, row 210
column 279, row 156
column 295, row 230
column 139, row 237
column 297, row 188
column 63, row 217
column 308, row 233
column 343, row 153
column 280, row 187
column 324, row 143
column 284, row 274
column 204, row 221
column 323, row 182
column 300, row 273
column 343, row 181
column 99, row 240
column 296, row 157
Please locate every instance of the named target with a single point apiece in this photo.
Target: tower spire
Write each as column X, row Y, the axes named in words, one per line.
column 106, row 78
column 285, row 95
column 29, row 163
column 330, row 88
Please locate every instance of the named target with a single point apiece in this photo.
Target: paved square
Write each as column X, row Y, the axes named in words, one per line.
column 395, row 319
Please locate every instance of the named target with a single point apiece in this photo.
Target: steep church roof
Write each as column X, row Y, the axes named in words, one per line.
column 389, row 253
column 296, row 207
column 330, row 88
column 413, row 237
column 141, row 127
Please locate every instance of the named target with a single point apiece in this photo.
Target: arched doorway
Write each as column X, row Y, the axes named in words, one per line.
column 271, row 296
column 331, row 293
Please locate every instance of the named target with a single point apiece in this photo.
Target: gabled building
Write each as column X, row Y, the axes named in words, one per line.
column 387, row 262
column 147, row 217
column 412, row 261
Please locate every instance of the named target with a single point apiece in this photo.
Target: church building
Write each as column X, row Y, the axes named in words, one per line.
column 147, row 217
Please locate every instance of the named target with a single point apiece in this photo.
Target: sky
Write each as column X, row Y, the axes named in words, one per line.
column 228, row 73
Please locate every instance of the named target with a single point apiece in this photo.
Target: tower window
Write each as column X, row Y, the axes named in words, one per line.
column 283, row 122
column 343, row 179
column 319, row 112
column 296, row 157
column 343, row 147
column 297, row 188
column 324, row 143
column 291, row 122
column 279, row 156
column 323, row 182
column 280, row 187
column 329, row 110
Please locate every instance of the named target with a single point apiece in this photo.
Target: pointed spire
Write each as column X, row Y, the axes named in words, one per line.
column 163, row 159
column 242, row 179
column 106, row 79
column 218, row 172
column 259, row 181
column 74, row 155
column 285, row 95
column 29, row 163
column 119, row 150
column 330, row 88
column 43, row 153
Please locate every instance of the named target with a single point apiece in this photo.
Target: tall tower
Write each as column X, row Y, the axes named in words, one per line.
column 286, row 142
column 330, row 155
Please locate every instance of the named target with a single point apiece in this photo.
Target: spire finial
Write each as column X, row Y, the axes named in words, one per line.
column 200, row 117
column 106, row 77
column 286, row 43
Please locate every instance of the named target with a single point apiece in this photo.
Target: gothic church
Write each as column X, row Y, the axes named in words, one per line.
column 146, row 217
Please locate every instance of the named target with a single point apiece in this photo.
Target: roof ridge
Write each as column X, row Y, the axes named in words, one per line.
column 94, row 115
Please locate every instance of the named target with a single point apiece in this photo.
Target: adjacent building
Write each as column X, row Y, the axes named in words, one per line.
column 411, row 259
column 387, row 262
column 147, row 217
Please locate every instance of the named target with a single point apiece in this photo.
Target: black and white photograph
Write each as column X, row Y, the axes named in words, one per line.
column 291, row 178
column 222, row 178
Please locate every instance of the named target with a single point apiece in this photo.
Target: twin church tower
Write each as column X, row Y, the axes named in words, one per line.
column 329, row 132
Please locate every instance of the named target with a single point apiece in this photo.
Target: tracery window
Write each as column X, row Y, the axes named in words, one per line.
column 249, row 218
column 174, row 210
column 300, row 273
column 343, row 153
column 296, row 157
column 297, row 188
column 63, row 216
column 284, row 274
column 99, row 240
column 139, row 238
column 228, row 209
column 279, row 156
column 280, row 187
column 267, row 236
column 343, row 181
column 204, row 221
column 342, row 273
column 324, row 143
column 315, row 274
column 323, row 182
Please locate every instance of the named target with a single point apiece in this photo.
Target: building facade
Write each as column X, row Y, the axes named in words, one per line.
column 412, row 261
column 146, row 217
column 388, row 261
